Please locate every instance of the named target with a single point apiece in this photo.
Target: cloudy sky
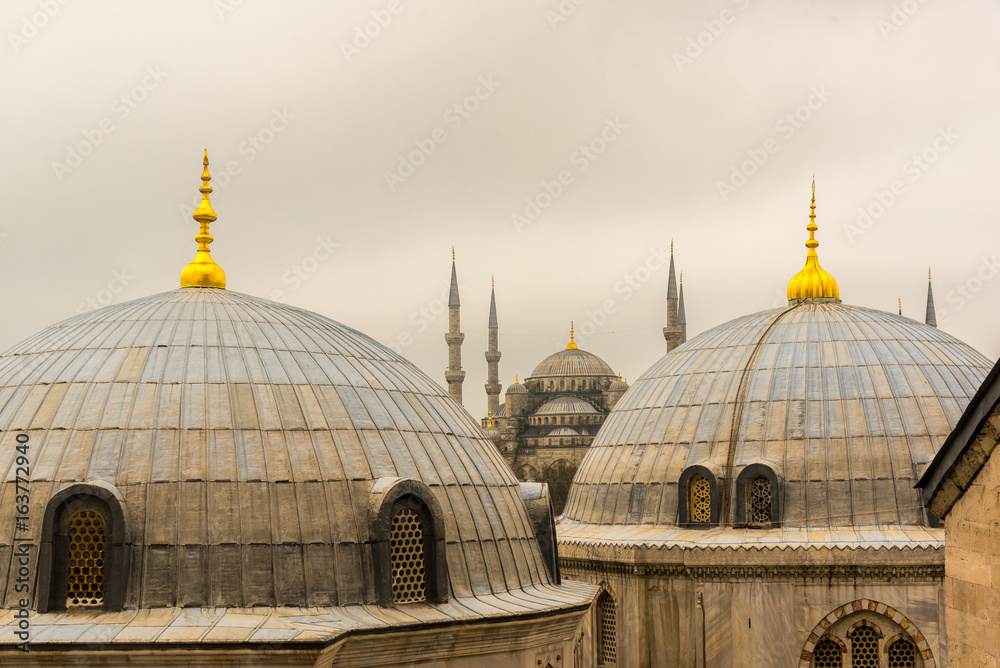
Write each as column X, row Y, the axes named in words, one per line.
column 559, row 146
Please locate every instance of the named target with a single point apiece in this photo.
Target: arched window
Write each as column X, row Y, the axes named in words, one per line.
column 828, row 655
column 864, row 646
column 607, row 636
column 759, row 500
column 408, row 556
column 562, row 384
column 85, row 559
column 572, row 384
column 902, row 654
column 699, row 499
column 408, row 532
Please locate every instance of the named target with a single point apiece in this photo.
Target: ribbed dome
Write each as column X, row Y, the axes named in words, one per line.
column 566, row 406
column 244, row 436
column 846, row 404
column 516, row 388
column 563, row 431
column 572, row 362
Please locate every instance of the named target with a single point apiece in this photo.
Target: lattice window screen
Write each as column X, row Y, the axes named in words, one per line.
column 607, row 650
column 828, row 655
column 902, row 654
column 864, row 648
column 700, row 499
column 407, row 556
column 86, row 559
column 759, row 502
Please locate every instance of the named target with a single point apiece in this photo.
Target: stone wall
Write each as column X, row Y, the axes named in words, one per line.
column 972, row 571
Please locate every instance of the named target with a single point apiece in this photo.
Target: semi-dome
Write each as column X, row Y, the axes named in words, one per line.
column 841, row 406
column 247, row 442
column 566, row 406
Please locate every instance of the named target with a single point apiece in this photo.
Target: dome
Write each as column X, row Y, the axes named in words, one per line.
column 516, row 388
column 618, row 385
column 563, row 431
column 566, row 406
column 246, row 439
column 844, row 405
column 572, row 362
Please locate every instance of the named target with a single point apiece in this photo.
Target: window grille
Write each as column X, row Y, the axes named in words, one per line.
column 759, row 501
column 828, row 655
column 407, row 556
column 85, row 579
column 902, row 654
column 700, row 503
column 864, row 648
column 607, row 648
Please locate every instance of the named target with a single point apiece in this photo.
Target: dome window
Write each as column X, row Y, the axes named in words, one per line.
column 758, row 496
column 759, row 500
column 85, row 572
column 699, row 499
column 407, row 556
column 82, row 559
column 607, row 636
column 407, row 527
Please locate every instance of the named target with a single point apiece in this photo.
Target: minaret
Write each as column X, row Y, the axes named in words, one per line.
column 454, row 375
column 931, row 317
column 672, row 332
column 681, row 318
column 202, row 272
column 493, row 357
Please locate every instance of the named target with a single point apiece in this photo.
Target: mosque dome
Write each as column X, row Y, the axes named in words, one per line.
column 817, row 414
column 516, row 388
column 572, row 362
column 618, row 385
column 257, row 431
column 566, row 405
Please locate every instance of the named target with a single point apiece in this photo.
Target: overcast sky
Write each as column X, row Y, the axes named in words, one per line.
column 348, row 164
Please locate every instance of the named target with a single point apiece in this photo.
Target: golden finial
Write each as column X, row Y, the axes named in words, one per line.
column 671, row 246
column 572, row 344
column 900, row 305
column 928, row 274
column 516, row 381
column 489, row 421
column 203, row 272
column 493, row 282
column 452, row 253
column 682, row 278
column 812, row 282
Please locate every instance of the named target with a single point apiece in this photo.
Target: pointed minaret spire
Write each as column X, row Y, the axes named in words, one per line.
column 930, row 317
column 203, row 272
column 493, row 355
column 900, row 305
column 681, row 317
column 454, row 375
column 674, row 333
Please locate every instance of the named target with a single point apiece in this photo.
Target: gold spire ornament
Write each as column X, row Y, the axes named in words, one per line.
column 812, row 282
column 203, row 272
column 572, row 344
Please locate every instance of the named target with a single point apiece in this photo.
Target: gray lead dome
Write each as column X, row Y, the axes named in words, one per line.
column 244, row 437
column 846, row 405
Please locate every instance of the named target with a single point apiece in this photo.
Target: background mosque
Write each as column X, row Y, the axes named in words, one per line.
column 219, row 479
